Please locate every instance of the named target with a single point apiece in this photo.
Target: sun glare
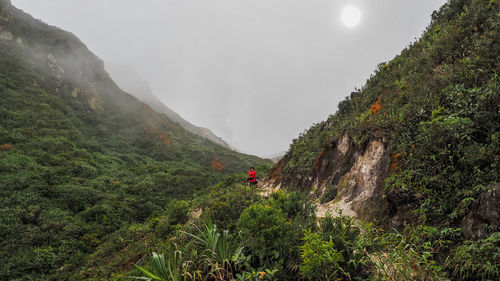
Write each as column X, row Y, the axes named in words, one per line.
column 351, row 16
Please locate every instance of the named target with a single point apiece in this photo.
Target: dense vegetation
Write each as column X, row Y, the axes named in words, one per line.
column 278, row 237
column 436, row 105
column 270, row 238
column 96, row 186
column 436, row 108
column 80, row 160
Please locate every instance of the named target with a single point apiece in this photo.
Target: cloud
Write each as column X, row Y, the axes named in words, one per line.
column 255, row 72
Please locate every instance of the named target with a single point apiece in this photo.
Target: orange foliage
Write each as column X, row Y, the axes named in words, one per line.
column 375, row 108
column 115, row 182
column 395, row 161
column 318, row 158
column 152, row 113
column 217, row 166
column 165, row 139
column 5, row 147
column 276, row 170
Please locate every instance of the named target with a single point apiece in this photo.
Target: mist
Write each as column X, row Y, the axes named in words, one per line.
column 257, row 73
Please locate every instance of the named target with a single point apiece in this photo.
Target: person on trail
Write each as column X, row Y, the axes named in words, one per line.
column 251, row 176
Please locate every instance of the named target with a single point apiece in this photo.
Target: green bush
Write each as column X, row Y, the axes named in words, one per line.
column 353, row 240
column 412, row 254
column 319, row 259
column 226, row 203
column 267, row 234
column 177, row 213
column 476, row 260
column 293, row 204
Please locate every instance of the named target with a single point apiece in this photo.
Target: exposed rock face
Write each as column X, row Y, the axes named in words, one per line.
column 347, row 178
column 55, row 69
column 359, row 191
column 485, row 218
column 6, row 37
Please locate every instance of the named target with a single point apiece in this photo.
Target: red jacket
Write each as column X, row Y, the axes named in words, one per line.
column 252, row 174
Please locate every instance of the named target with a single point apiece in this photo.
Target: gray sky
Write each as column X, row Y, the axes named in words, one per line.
column 256, row 72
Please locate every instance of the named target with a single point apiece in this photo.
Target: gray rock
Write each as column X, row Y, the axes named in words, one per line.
column 55, row 69
column 360, row 189
column 484, row 219
column 6, row 37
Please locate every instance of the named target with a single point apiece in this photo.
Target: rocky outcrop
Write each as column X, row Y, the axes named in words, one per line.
column 6, row 37
column 5, row 12
column 359, row 192
column 55, row 69
column 346, row 177
column 484, row 219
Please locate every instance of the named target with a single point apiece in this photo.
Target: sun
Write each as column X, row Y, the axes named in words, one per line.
column 351, row 16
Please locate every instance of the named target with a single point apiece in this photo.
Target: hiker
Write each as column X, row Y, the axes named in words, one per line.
column 251, row 176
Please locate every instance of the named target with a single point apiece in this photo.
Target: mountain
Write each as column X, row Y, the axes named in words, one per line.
column 81, row 161
column 420, row 140
column 401, row 183
column 129, row 80
column 96, row 185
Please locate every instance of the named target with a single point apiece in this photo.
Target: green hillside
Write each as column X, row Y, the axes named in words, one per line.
column 95, row 185
column 79, row 158
column 436, row 109
column 417, row 146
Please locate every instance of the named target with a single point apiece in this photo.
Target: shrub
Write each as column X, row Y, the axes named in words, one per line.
column 267, row 234
column 293, row 204
column 476, row 260
column 319, row 259
column 173, row 269
column 350, row 241
column 177, row 214
column 410, row 255
column 221, row 256
column 226, row 205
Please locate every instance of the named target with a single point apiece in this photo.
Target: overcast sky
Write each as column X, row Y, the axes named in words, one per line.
column 255, row 72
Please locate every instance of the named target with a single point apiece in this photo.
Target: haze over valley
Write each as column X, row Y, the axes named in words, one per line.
column 128, row 148
column 256, row 73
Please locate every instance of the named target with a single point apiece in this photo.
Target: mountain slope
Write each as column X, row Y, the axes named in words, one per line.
column 421, row 135
column 417, row 149
column 130, row 81
column 79, row 158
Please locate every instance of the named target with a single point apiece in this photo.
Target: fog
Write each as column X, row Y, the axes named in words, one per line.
column 255, row 72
